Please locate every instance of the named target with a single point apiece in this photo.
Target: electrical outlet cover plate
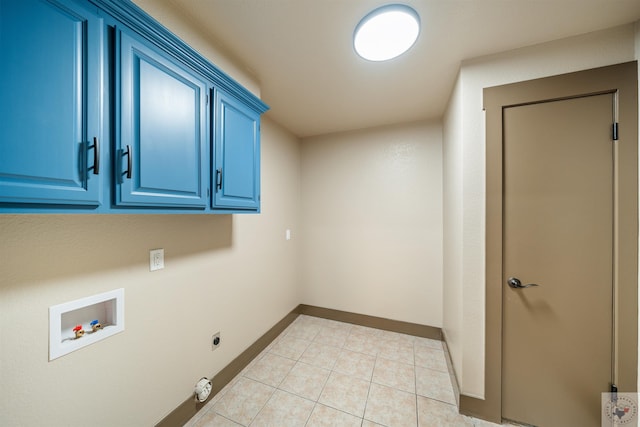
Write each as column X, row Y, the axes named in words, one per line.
column 215, row 341
column 156, row 259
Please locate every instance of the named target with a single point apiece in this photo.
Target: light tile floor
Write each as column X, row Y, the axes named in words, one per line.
column 321, row 372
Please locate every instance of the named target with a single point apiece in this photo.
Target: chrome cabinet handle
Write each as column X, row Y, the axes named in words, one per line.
column 515, row 283
column 129, row 154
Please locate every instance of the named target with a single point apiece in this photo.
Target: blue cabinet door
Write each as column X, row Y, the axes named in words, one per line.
column 50, row 100
column 161, row 150
column 236, row 161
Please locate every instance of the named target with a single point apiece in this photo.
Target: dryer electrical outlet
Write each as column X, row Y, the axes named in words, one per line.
column 215, row 341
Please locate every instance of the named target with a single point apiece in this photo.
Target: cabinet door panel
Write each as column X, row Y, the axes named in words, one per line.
column 237, row 155
column 50, row 81
column 163, row 121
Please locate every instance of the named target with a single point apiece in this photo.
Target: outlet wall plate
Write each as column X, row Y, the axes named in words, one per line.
column 156, row 259
column 215, row 341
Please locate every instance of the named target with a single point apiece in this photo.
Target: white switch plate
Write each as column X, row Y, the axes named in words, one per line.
column 287, row 234
column 156, row 259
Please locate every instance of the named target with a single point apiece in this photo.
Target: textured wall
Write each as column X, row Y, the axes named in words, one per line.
column 236, row 274
column 452, row 227
column 199, row 38
column 562, row 56
column 372, row 222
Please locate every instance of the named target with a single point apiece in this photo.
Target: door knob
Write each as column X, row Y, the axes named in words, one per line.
column 515, row 283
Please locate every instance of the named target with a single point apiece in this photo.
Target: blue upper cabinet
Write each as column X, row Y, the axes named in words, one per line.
column 161, row 153
column 236, row 175
column 50, row 102
column 104, row 110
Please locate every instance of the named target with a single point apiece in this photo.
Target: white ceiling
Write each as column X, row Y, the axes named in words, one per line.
column 301, row 51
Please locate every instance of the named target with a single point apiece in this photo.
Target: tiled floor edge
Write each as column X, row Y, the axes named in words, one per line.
column 190, row 407
column 452, row 372
column 399, row 326
column 186, row 410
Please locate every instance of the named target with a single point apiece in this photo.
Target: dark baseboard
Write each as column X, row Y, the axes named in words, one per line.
column 467, row 405
column 479, row 408
column 373, row 322
column 189, row 408
column 183, row 413
column 452, row 372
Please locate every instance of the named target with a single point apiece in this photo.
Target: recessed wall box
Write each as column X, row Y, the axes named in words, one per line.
column 64, row 319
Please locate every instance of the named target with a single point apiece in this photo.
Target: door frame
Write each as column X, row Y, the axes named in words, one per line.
column 620, row 79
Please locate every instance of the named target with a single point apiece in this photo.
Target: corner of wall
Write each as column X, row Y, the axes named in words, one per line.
column 370, row 248
column 464, row 191
column 452, row 297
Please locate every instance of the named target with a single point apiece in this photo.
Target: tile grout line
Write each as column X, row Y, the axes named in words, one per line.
column 227, row 418
column 263, row 406
column 366, row 402
column 310, row 414
column 317, row 401
column 331, row 370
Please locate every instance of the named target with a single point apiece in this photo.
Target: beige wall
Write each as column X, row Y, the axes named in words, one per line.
column 199, row 38
column 236, row 274
column 230, row 273
column 366, row 211
column 453, row 289
column 372, row 222
column 464, row 156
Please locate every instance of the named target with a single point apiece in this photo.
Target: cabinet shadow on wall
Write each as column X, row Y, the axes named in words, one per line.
column 48, row 247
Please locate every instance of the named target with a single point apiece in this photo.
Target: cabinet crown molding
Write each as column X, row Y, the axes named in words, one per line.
column 137, row 19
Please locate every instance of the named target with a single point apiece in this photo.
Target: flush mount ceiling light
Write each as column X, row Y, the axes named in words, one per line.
column 386, row 32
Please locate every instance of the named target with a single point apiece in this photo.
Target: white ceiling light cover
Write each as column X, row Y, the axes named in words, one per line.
column 386, row 32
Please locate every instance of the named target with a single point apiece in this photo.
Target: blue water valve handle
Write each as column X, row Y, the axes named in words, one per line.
column 95, row 325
